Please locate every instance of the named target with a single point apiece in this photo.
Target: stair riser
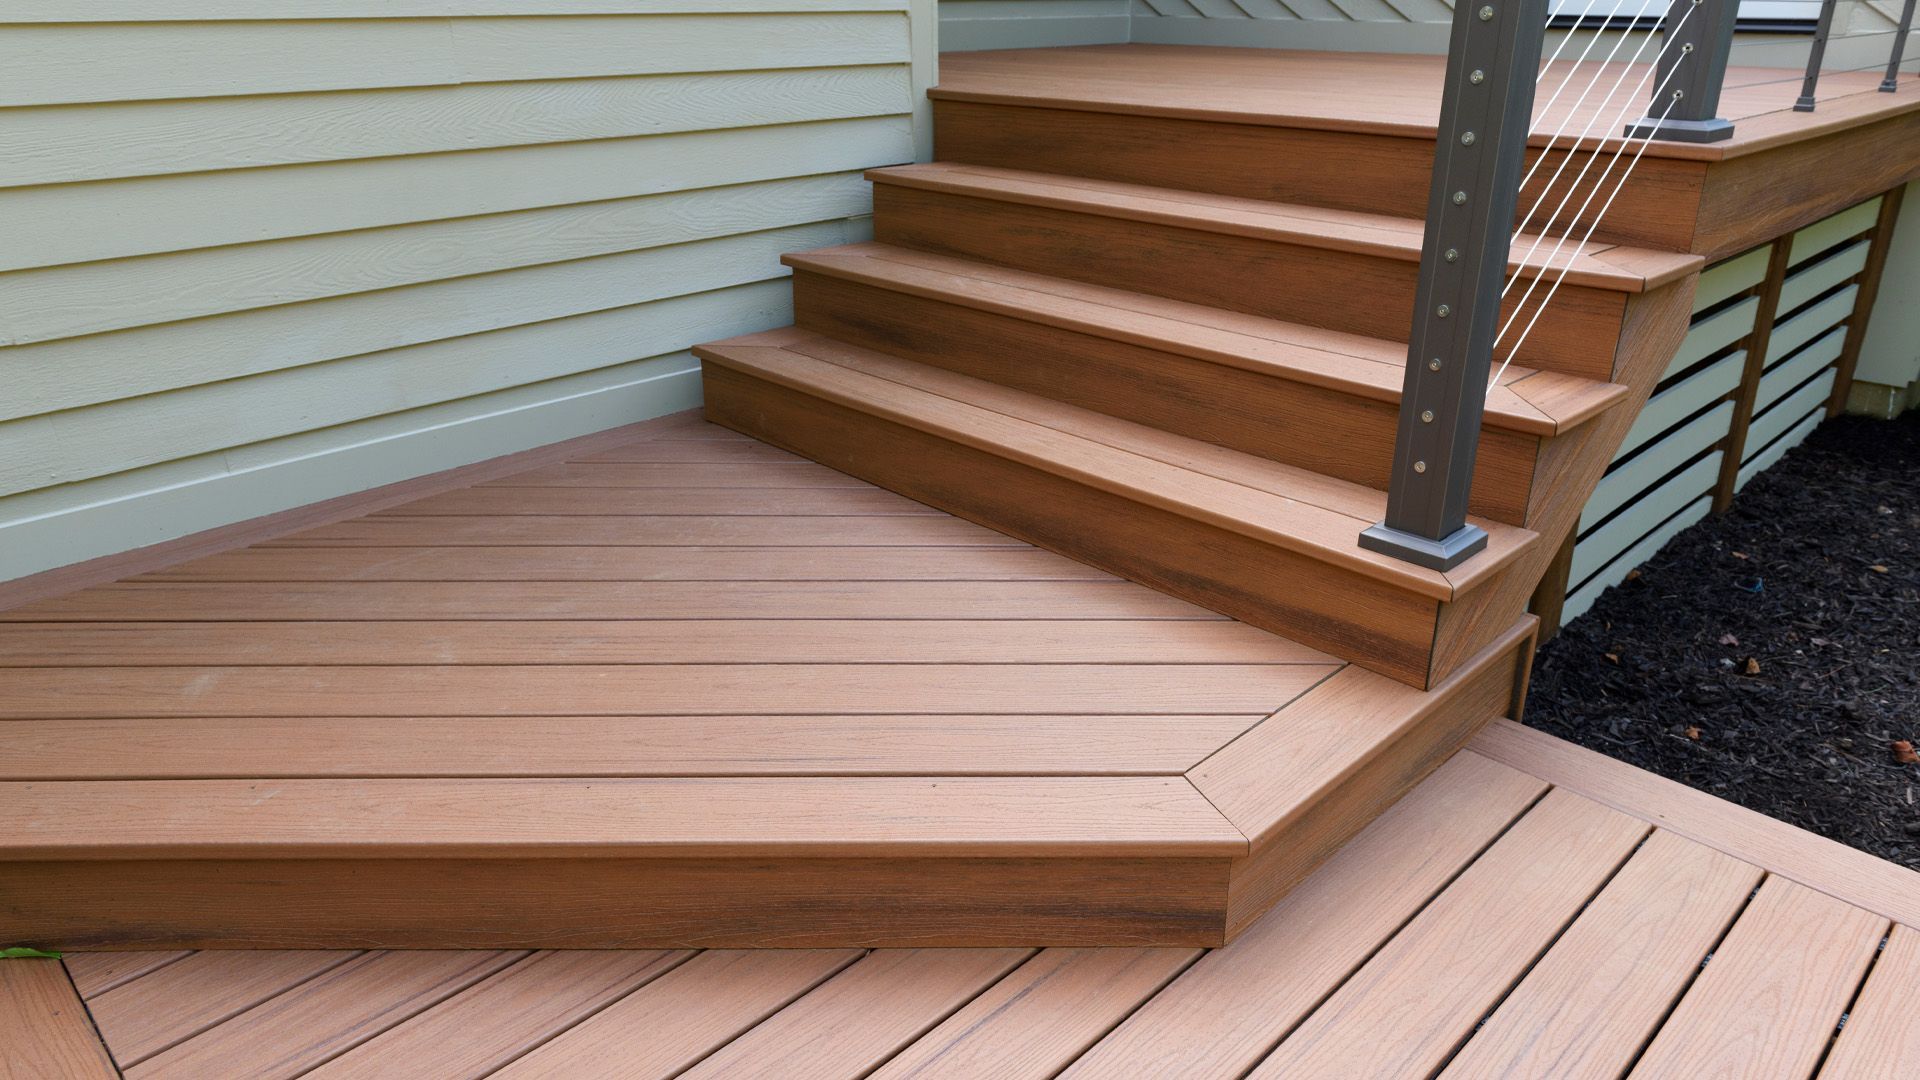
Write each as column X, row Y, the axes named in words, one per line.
column 1342, row 612
column 1244, row 410
column 1382, row 174
column 642, row 903
column 1338, row 290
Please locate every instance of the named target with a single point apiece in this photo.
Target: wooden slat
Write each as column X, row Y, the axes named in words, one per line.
column 789, row 816
column 655, row 502
column 98, row 972
column 1406, row 1010
column 678, row 449
column 182, row 1000
column 860, row 1017
column 1771, row 997
column 44, row 1030
column 653, row 476
column 617, row 531
column 324, row 1017
column 659, row 689
column 1833, row 868
column 1598, row 995
column 342, row 747
column 1224, row 1014
column 634, row 564
column 1881, row 1041
column 492, row 1022
column 509, row 601
column 677, row 1019
column 1042, row 1016
column 653, row 641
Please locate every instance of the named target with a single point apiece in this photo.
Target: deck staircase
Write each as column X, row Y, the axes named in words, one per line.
column 1173, row 348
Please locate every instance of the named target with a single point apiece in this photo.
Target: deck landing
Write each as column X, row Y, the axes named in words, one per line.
column 690, row 690
column 1531, row 910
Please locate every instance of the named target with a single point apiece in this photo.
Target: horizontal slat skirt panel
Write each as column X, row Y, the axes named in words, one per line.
column 60, row 11
column 1803, row 283
column 55, row 526
column 1724, row 279
column 1630, row 480
column 1789, row 374
column 1774, row 451
column 1607, row 541
column 1580, row 598
column 1682, row 399
column 116, row 294
column 1798, row 329
column 1827, row 232
column 176, row 213
column 1718, row 331
column 60, row 144
column 50, row 64
column 80, row 443
column 1786, row 412
column 390, row 326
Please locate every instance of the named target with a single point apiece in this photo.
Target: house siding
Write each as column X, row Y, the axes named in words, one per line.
column 257, row 263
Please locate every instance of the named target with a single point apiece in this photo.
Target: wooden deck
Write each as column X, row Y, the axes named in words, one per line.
column 1531, row 910
column 683, row 690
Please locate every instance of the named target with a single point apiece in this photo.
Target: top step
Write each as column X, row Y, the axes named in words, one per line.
column 1340, row 130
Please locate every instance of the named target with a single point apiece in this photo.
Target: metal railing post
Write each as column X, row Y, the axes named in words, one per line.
column 1816, row 57
column 1697, row 40
column 1892, row 81
column 1486, row 110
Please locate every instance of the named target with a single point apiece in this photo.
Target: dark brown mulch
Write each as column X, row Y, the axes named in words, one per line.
column 1771, row 656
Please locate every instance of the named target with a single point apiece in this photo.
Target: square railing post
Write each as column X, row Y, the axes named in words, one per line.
column 1892, row 81
column 1816, row 56
column 1685, row 106
column 1486, row 111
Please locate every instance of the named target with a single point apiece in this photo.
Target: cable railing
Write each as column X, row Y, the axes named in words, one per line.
column 1494, row 76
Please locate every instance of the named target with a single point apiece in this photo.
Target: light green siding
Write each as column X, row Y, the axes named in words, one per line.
column 253, row 263
column 966, row 25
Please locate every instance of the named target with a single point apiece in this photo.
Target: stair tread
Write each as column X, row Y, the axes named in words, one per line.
column 1287, row 506
column 1525, row 400
column 1597, row 265
column 613, row 816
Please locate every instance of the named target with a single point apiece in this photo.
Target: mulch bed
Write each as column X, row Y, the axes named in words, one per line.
column 1771, row 656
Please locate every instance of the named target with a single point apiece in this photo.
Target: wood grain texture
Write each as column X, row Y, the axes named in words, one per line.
column 1067, row 998
column 1771, row 997
column 98, row 972
column 1224, row 1014
column 607, row 530
column 1605, row 986
column 502, row 1017
column 325, row 1016
column 1402, row 1013
column 1853, row 876
column 679, row 1018
column 182, row 1000
column 1880, row 1041
column 861, row 1017
column 44, row 1030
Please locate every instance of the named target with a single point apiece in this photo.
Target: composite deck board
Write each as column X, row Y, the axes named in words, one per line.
column 1771, row 998
column 792, row 816
column 654, row 689
column 661, row 502
column 329, row 746
column 656, row 641
column 603, row 474
column 604, row 530
column 45, row 1033
column 673, row 449
column 862, row 1017
column 1404, row 1011
column 178, row 1002
column 681, row 1017
column 1597, row 996
column 97, row 973
column 633, row 564
column 1881, row 1040
column 513, row 601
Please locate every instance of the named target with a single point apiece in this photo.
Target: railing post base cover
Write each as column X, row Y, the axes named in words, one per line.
column 1672, row 130
column 1442, row 554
